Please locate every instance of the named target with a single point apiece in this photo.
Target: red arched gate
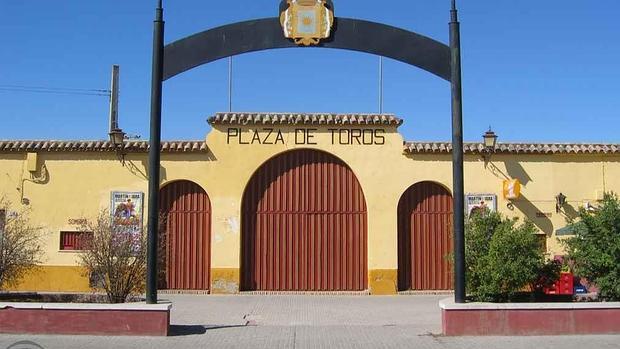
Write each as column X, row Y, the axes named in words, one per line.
column 424, row 238
column 185, row 245
column 304, row 226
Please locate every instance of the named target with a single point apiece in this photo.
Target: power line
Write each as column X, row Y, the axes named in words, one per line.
column 55, row 90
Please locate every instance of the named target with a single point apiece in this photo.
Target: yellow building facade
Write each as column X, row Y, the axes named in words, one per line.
column 372, row 205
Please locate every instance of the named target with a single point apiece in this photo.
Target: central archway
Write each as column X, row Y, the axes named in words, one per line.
column 190, row 52
column 304, row 226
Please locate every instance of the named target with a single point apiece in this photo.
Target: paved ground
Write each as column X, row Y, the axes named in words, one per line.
column 309, row 322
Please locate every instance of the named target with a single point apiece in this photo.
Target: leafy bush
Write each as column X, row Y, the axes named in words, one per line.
column 548, row 275
column 502, row 257
column 115, row 256
column 595, row 249
column 20, row 245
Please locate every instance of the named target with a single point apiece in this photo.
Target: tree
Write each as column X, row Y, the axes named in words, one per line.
column 502, row 256
column 116, row 256
column 20, row 244
column 595, row 248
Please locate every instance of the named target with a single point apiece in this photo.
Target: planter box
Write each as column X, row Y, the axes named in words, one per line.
column 129, row 319
column 529, row 319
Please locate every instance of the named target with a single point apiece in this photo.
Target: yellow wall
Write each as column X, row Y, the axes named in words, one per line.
column 79, row 184
column 54, row 279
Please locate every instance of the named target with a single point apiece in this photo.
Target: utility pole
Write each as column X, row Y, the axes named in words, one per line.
column 114, row 87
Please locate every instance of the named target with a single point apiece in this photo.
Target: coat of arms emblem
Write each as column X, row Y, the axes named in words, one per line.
column 307, row 21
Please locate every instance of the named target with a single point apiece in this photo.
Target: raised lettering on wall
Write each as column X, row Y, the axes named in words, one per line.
column 305, row 136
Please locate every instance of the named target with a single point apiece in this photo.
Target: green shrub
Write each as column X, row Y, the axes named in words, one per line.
column 502, row 256
column 548, row 275
column 595, row 249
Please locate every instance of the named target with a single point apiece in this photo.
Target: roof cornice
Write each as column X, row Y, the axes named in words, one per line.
column 13, row 146
column 514, row 148
column 21, row 146
column 304, row 119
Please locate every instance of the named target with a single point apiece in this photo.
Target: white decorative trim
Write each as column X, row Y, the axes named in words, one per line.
column 88, row 306
column 449, row 304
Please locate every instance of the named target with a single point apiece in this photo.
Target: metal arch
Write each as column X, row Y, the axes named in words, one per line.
column 349, row 34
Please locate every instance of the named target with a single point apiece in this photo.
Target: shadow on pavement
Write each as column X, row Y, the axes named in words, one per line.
column 188, row 330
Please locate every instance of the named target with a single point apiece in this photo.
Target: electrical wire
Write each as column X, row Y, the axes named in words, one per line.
column 55, row 90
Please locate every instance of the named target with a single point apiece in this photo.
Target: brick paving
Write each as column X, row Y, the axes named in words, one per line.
column 201, row 321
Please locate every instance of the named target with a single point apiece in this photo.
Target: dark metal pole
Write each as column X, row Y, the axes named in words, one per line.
column 154, row 153
column 380, row 84
column 230, row 82
column 457, row 158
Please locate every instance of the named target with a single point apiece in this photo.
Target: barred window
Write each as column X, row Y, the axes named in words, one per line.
column 74, row 240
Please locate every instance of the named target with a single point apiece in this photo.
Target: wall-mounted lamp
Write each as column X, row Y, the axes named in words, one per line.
column 117, row 137
column 560, row 201
column 490, row 141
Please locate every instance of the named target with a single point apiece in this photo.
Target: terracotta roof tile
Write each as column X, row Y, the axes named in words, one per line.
column 10, row 146
column 514, row 148
column 303, row 119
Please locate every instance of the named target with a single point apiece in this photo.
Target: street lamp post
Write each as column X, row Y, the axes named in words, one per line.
column 457, row 158
column 154, row 154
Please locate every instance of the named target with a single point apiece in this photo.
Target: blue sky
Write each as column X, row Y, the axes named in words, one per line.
column 533, row 70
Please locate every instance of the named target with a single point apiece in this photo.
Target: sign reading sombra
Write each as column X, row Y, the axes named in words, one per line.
column 307, row 21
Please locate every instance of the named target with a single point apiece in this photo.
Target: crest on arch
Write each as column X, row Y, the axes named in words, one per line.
column 307, row 22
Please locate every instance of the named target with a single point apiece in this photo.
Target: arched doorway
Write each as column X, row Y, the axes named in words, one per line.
column 424, row 238
column 185, row 252
column 304, row 226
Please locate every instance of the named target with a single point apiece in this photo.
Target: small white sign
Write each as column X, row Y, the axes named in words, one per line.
column 475, row 202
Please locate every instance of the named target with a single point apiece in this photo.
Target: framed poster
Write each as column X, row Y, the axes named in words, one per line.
column 474, row 202
column 126, row 210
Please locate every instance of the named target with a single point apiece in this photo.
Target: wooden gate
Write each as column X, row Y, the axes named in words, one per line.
column 425, row 238
column 304, row 226
column 185, row 246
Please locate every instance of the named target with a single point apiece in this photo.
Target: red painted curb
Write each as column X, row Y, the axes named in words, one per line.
column 530, row 322
column 116, row 322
